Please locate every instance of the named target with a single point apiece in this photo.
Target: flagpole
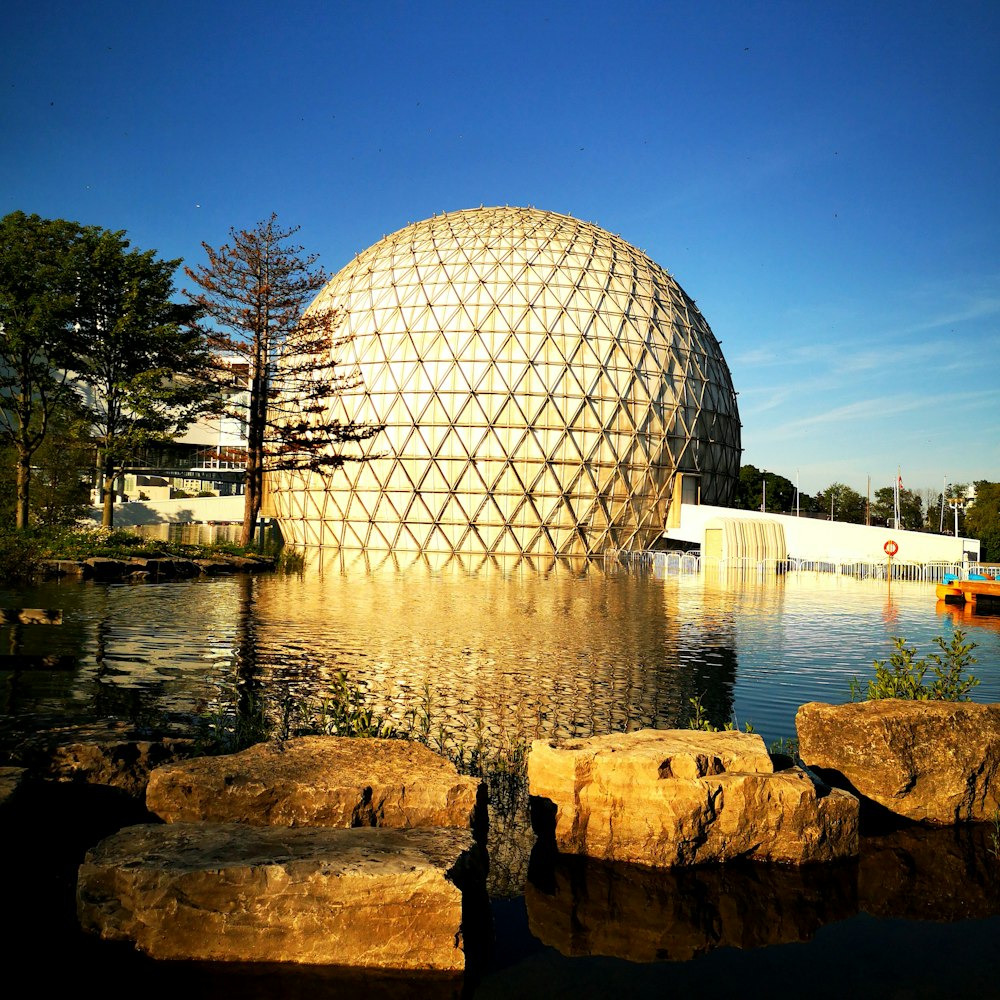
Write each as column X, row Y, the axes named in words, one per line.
column 899, row 479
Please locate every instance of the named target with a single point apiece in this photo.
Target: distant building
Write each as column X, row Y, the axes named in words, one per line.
column 209, row 457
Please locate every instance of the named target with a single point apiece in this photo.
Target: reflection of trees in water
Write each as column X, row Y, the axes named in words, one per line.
column 248, row 703
column 148, row 653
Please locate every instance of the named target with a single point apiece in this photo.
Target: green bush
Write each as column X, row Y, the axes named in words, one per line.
column 21, row 553
column 902, row 675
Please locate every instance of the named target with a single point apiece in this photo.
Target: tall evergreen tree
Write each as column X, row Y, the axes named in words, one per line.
column 253, row 294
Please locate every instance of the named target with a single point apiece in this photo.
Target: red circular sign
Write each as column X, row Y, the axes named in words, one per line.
column 890, row 548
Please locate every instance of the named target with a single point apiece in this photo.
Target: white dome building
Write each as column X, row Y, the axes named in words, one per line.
column 541, row 383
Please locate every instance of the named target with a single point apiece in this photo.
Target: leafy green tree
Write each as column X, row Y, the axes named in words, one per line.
column 758, row 486
column 253, row 293
column 64, row 466
column 982, row 519
column 841, row 503
column 143, row 368
column 911, row 508
column 37, row 305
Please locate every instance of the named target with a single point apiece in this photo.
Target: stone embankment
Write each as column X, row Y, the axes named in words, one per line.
column 152, row 569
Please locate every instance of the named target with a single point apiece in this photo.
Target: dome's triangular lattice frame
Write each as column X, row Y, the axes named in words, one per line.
column 539, row 381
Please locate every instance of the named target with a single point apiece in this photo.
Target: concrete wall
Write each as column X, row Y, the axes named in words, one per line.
column 180, row 511
column 828, row 541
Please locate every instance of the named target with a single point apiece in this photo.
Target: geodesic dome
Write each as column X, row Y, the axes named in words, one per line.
column 540, row 383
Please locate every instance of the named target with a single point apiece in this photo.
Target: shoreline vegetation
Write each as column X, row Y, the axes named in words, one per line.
column 29, row 556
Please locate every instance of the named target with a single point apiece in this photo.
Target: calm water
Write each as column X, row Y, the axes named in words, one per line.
column 520, row 653
column 571, row 650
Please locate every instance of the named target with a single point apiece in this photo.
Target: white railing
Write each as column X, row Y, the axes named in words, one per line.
column 669, row 563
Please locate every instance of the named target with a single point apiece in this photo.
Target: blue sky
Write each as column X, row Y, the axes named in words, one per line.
column 822, row 178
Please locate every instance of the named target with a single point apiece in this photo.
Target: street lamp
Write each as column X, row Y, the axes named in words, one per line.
column 956, row 503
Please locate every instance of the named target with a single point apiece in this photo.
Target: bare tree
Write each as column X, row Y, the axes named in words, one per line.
column 253, row 295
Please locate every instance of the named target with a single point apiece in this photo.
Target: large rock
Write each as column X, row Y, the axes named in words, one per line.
column 676, row 797
column 932, row 761
column 319, row 781
column 373, row 898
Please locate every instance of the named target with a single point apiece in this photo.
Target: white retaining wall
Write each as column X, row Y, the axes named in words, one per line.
column 832, row 541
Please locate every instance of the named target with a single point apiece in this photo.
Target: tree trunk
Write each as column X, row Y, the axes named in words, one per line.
column 255, row 448
column 251, row 507
column 23, row 484
column 108, row 514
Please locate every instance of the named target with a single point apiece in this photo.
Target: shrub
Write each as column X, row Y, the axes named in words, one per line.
column 902, row 675
column 21, row 553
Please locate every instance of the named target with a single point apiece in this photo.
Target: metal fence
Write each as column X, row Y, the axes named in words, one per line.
column 671, row 563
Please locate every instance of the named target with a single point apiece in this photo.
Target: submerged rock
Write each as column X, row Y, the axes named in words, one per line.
column 103, row 752
column 229, row 892
column 930, row 761
column 682, row 797
column 320, row 781
column 582, row 906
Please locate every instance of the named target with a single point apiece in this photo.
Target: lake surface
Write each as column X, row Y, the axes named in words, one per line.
column 569, row 651
column 503, row 654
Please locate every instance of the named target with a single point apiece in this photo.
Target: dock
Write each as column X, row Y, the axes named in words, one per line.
column 974, row 592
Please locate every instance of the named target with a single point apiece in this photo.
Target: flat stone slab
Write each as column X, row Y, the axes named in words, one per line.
column 683, row 797
column 335, row 781
column 929, row 761
column 371, row 898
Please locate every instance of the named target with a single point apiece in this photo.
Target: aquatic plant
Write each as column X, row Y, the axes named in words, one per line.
column 787, row 745
column 699, row 719
column 290, row 561
column 902, row 675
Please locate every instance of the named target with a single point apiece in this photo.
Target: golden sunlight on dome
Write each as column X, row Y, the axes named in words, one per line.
column 540, row 383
